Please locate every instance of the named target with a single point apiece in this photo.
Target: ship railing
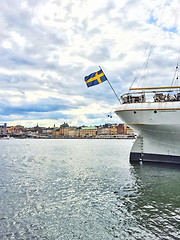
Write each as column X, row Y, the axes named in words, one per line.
column 151, row 96
column 133, row 98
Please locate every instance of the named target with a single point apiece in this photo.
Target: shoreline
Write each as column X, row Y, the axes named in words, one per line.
column 67, row 137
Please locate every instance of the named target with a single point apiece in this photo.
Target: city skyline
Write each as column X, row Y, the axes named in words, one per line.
column 63, row 125
column 66, row 131
column 48, row 47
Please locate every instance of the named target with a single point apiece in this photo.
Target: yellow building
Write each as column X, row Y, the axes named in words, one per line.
column 110, row 130
column 103, row 131
column 128, row 130
column 113, row 130
column 72, row 133
column 61, row 130
column 87, row 131
column 67, row 130
column 77, row 133
column 55, row 132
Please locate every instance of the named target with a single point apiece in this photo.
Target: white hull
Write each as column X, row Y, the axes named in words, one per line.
column 158, row 128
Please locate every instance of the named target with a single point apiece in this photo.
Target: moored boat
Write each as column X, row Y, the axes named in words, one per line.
column 154, row 111
column 156, row 121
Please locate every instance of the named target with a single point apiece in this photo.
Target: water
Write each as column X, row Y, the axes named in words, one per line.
column 85, row 189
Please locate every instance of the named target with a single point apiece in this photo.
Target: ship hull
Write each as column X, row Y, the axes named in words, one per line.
column 158, row 128
column 147, row 157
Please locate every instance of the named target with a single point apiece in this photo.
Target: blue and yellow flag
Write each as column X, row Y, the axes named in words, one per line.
column 95, row 78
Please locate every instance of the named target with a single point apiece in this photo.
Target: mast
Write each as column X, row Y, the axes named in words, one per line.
column 142, row 71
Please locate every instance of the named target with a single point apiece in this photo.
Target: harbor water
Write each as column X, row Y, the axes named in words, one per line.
column 85, row 189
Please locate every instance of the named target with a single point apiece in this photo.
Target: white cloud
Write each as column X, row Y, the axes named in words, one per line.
column 17, row 38
column 47, row 47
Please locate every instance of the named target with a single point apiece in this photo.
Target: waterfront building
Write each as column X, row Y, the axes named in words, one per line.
column 61, row 131
column 107, row 129
column 38, row 129
column 128, row 130
column 47, row 131
column 72, row 132
column 88, row 131
column 102, row 131
column 16, row 130
column 120, row 129
column 55, row 132
column 77, row 133
column 113, row 130
column 64, row 125
column 66, row 131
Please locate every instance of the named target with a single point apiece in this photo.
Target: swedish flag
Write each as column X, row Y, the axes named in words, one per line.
column 95, row 78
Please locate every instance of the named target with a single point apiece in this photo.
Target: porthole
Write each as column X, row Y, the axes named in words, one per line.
column 155, row 111
column 134, row 112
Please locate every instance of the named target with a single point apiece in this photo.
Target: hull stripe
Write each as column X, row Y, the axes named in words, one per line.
column 148, row 157
column 149, row 109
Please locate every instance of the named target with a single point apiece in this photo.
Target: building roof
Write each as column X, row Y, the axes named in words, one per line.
column 55, row 128
column 89, row 128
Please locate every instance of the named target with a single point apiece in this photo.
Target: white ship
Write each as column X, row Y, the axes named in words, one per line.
column 157, row 123
column 156, row 119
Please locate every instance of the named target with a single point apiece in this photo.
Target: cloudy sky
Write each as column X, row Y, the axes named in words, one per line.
column 48, row 46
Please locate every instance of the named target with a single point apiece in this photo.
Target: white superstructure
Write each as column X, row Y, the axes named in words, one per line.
column 157, row 124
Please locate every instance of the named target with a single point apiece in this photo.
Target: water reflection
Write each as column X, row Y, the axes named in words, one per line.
column 153, row 203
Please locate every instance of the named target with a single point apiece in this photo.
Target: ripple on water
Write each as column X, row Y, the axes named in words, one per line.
column 84, row 189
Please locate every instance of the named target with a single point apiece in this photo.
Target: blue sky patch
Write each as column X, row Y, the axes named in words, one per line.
column 152, row 20
column 173, row 29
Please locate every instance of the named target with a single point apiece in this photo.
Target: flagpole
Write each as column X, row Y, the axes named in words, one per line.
column 112, row 88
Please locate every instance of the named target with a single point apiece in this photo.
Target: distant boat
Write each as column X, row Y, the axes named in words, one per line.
column 5, row 138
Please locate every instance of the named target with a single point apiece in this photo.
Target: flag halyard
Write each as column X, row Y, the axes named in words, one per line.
column 95, row 78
